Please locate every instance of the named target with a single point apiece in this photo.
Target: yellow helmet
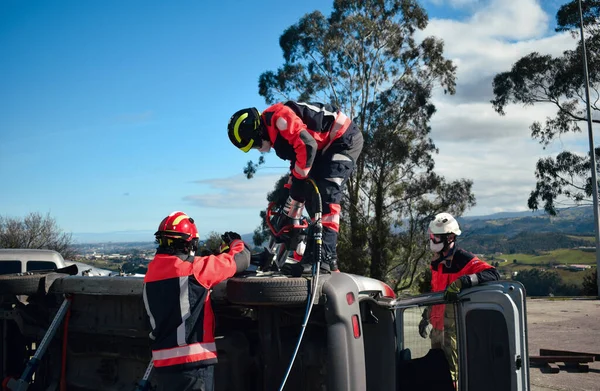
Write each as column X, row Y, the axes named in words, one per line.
column 244, row 129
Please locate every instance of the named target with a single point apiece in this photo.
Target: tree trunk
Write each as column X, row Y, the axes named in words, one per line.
column 379, row 235
column 357, row 239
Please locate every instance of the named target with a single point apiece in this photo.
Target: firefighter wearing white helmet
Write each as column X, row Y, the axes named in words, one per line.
column 443, row 230
column 452, row 270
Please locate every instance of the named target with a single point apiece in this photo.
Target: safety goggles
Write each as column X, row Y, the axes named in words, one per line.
column 436, row 238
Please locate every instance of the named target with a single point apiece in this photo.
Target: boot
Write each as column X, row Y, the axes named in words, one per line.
column 333, row 264
column 305, row 266
column 299, row 269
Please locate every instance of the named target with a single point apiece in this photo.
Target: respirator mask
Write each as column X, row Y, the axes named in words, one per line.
column 436, row 243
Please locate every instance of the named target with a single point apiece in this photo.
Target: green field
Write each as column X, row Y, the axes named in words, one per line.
column 556, row 257
column 590, row 239
column 547, row 260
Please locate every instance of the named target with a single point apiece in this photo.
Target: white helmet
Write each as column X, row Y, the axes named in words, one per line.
column 444, row 223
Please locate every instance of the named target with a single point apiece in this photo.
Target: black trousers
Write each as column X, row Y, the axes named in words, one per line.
column 197, row 379
column 331, row 171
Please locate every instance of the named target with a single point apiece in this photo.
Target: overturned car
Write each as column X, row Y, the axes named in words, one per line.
column 64, row 331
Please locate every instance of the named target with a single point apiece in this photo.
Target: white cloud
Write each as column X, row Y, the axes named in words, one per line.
column 235, row 192
column 476, row 143
column 502, row 171
column 479, row 122
column 502, row 168
column 495, row 36
column 231, row 203
column 511, row 19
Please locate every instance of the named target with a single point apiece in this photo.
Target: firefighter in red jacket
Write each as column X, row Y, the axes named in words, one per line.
column 177, row 299
column 321, row 142
column 452, row 269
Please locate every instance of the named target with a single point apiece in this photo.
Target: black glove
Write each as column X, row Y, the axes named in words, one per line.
column 287, row 269
column 297, row 191
column 227, row 238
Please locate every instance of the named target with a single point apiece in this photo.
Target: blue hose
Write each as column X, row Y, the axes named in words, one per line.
column 316, row 267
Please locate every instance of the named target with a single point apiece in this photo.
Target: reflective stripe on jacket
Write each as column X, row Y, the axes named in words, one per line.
column 177, row 299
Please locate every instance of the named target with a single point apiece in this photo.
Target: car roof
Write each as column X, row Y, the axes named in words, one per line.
column 38, row 254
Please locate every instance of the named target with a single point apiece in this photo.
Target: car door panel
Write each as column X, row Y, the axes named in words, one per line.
column 491, row 336
column 492, row 322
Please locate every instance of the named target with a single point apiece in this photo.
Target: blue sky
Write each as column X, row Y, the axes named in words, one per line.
column 113, row 114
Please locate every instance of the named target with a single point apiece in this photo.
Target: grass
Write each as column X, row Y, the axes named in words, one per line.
column 590, row 239
column 559, row 257
column 567, row 276
column 514, row 267
column 547, row 260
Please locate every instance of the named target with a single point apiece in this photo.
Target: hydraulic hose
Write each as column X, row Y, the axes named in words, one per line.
column 63, row 365
column 316, row 267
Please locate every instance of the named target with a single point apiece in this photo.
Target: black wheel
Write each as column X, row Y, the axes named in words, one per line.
column 19, row 284
column 32, row 282
column 267, row 290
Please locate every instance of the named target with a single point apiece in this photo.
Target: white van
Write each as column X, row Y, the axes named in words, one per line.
column 21, row 260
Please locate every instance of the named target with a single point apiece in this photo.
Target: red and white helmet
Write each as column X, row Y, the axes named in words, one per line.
column 178, row 225
column 443, row 224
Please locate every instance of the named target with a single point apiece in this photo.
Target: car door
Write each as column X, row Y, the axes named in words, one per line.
column 492, row 323
column 490, row 337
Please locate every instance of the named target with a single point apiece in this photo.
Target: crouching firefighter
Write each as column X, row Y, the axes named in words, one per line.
column 321, row 142
column 177, row 298
column 452, row 269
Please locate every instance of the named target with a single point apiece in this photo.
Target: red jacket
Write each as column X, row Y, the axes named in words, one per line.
column 446, row 271
column 177, row 299
column 298, row 131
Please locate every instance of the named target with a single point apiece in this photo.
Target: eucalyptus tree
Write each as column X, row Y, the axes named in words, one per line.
column 366, row 59
column 539, row 79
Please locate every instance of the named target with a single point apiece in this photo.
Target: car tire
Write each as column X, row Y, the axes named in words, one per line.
column 267, row 290
column 20, row 284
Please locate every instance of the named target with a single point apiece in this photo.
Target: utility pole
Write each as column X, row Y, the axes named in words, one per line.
column 592, row 148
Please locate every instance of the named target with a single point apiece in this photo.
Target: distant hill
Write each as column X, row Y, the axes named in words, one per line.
column 506, row 215
column 522, row 243
column 506, row 232
column 524, row 232
column 248, row 238
column 107, row 240
column 572, row 221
